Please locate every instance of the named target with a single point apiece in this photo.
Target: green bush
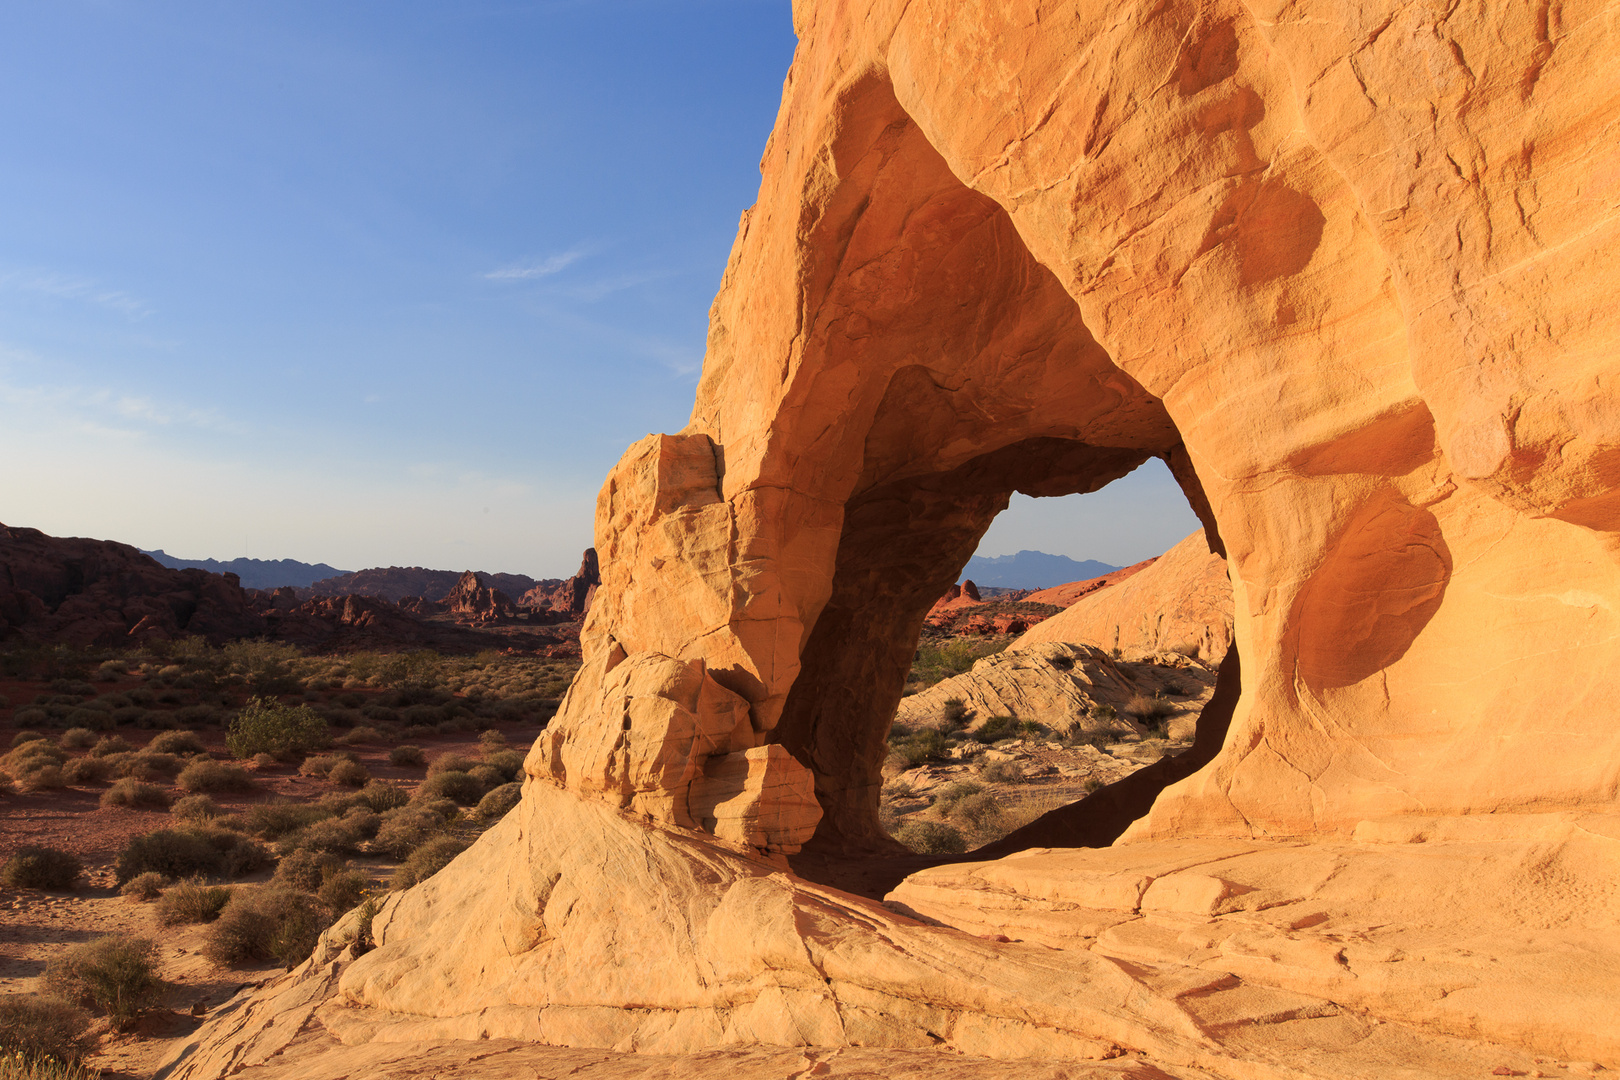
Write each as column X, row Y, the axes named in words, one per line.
column 931, row 837
column 268, row 923
column 192, row 850
column 116, row 975
column 265, row 727
column 343, row 889
column 919, row 747
column 508, row 762
column 176, row 742
column 192, row 902
column 995, row 729
column 425, row 861
column 460, row 788
column 204, row 774
column 143, row 887
column 135, row 794
column 266, row 667
column 39, row 867
column 499, row 802
column 407, row 755
column 39, row 1028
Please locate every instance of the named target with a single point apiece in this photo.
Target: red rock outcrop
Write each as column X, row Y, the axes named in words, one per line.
column 1347, row 268
column 97, row 592
column 571, row 597
column 474, row 601
column 1066, row 594
column 397, row 582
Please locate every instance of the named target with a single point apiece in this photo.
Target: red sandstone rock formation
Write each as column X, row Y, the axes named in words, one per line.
column 97, row 592
column 1347, row 267
column 1064, row 595
column 397, row 582
column 474, row 601
column 571, row 597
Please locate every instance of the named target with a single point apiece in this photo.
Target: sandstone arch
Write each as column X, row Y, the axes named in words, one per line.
column 1345, row 267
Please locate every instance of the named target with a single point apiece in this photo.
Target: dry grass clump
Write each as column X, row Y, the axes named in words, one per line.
column 135, row 794
column 1149, row 711
column 110, row 744
column 359, row 735
column 145, row 765
column 928, row 837
column 204, row 775
column 198, row 808
column 77, row 739
column 192, row 902
column 499, row 802
column 87, row 770
column 380, row 795
column 334, row 834
column 190, row 851
column 176, row 742
column 40, row 867
column 305, row 870
column 426, row 860
column 407, row 755
column 144, row 887
column 39, row 1033
column 407, row 828
column 349, row 774
column 271, row 820
column 267, row 923
column 508, row 762
column 321, row 765
column 461, row 788
column 450, row 763
column 36, row 765
column 115, row 975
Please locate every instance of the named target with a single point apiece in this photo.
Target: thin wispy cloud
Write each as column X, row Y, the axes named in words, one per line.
column 554, row 264
column 82, row 290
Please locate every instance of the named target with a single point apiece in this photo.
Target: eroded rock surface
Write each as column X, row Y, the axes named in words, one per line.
column 1348, row 269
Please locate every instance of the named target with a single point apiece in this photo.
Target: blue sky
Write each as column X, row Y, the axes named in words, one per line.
column 379, row 283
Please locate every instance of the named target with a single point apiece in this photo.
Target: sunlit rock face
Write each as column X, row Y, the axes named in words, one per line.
column 1349, row 269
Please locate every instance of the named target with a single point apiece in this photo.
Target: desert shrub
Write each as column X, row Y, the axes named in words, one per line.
column 191, row 850
column 143, row 887
column 1002, row 772
column 335, row 834
column 41, row 778
column 132, row 714
column 952, row 794
column 930, row 837
column 318, row 765
column 136, row 794
column 461, row 788
column 954, row 715
column 265, row 761
column 450, row 763
column 111, row 744
column 488, row 776
column 26, row 718
column 407, row 755
column 1148, row 711
column 405, row 829
column 269, row 923
column 499, row 802
column 86, row 770
column 273, row 819
column 380, row 713
column 918, row 747
column 145, row 765
column 980, row 810
column 264, row 666
column 380, row 795
column 425, row 861
column 25, row 737
column 508, row 762
column 358, row 735
column 35, row 753
column 116, row 975
column 265, row 727
column 77, row 739
column 207, row 775
column 343, row 889
column 349, row 774
column 37, row 1029
column 177, row 742
column 995, row 729
column 39, row 867
column 192, row 902
column 305, row 870
column 196, row 716
column 196, row 808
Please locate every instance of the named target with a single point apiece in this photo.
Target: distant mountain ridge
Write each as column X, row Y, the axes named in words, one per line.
column 397, row 582
column 255, row 573
column 1031, row 570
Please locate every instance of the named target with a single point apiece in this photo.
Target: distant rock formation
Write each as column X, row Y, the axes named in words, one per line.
column 573, row 596
column 397, row 582
column 83, row 592
column 255, row 573
column 1066, row 594
column 473, row 600
column 1181, row 601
